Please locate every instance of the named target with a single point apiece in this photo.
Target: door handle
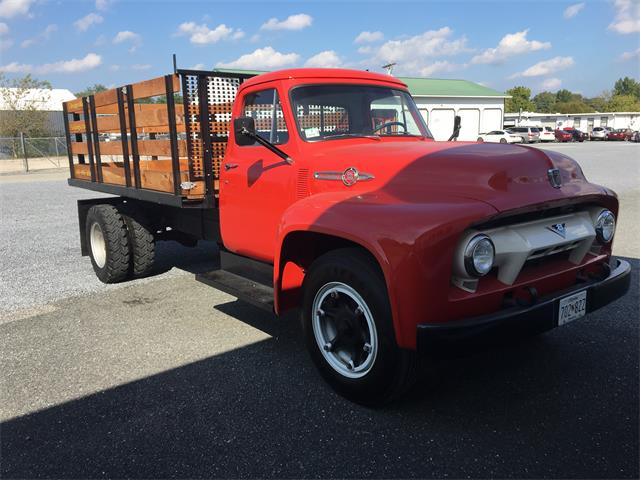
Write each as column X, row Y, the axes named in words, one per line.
column 229, row 166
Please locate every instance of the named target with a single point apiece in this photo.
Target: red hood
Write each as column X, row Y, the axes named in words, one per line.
column 504, row 176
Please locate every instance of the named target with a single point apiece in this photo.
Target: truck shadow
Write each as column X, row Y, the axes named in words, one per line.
column 262, row 411
column 199, row 259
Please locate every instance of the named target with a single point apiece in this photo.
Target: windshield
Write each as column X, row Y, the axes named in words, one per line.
column 327, row 112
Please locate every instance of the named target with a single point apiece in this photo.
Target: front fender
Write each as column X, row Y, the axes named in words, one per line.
column 413, row 244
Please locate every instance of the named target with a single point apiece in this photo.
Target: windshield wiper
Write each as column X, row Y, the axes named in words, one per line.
column 352, row 135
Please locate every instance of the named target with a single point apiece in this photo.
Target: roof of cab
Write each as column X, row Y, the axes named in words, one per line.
column 323, row 73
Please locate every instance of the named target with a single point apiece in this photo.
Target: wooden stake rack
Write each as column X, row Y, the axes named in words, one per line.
column 167, row 151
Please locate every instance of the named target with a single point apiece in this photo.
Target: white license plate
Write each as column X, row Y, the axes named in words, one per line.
column 572, row 307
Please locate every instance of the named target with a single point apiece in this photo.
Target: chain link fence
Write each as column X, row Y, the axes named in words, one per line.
column 24, row 154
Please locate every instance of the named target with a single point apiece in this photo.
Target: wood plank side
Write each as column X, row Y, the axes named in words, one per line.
column 74, row 106
column 76, row 126
column 154, row 87
column 79, row 148
column 108, row 97
column 161, row 148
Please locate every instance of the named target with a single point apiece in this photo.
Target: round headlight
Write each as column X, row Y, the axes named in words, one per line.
column 605, row 226
column 478, row 256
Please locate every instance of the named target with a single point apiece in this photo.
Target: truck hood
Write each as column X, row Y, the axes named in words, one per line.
column 506, row 177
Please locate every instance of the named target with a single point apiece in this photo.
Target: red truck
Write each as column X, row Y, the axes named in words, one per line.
column 326, row 192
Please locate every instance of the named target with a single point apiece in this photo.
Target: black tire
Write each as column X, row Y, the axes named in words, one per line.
column 503, row 140
column 113, row 267
column 480, row 140
column 143, row 247
column 394, row 370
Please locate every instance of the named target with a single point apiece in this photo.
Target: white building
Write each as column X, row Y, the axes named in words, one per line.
column 46, row 100
column 481, row 109
column 582, row 121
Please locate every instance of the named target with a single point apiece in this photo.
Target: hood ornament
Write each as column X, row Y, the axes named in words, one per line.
column 559, row 229
column 554, row 177
column 349, row 177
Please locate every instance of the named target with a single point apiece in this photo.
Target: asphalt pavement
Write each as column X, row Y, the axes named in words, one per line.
column 165, row 377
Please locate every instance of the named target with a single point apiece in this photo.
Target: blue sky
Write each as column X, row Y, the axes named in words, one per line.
column 582, row 46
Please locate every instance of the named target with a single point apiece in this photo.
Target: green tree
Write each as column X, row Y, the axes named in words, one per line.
column 98, row 87
column 521, row 99
column 627, row 86
column 22, row 100
column 624, row 103
column 545, row 102
column 563, row 96
column 573, row 106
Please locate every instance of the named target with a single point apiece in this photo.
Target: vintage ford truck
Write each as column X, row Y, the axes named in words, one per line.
column 326, row 193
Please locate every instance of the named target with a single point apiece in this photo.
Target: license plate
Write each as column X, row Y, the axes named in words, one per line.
column 572, row 307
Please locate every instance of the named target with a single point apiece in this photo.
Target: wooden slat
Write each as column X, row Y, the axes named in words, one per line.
column 77, row 126
column 160, row 148
column 108, row 124
column 154, row 87
column 74, row 106
column 108, row 97
column 82, row 171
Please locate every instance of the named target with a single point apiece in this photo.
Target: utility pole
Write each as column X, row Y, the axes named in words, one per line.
column 25, row 163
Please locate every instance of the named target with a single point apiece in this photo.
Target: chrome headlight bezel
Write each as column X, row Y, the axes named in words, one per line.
column 473, row 251
column 605, row 226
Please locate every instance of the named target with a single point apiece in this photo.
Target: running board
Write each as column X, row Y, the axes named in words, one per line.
column 242, row 288
column 244, row 278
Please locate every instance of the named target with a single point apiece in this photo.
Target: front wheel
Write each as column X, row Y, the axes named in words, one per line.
column 503, row 140
column 348, row 329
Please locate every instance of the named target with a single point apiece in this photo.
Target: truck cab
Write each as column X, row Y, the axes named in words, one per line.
column 327, row 194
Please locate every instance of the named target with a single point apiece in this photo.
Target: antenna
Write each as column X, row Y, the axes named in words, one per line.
column 389, row 67
column 175, row 64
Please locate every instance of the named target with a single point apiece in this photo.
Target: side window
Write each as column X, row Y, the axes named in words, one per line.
column 265, row 109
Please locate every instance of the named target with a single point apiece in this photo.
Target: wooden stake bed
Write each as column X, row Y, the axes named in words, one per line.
column 154, row 137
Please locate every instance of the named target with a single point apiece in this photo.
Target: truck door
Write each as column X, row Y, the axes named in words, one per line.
column 256, row 184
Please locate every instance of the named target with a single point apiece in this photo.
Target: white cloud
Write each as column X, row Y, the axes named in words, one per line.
column 74, row 65
column 292, row 22
column 13, row 8
column 127, row 36
column 551, row 84
column 412, row 54
column 141, row 66
column 83, row 24
column 633, row 55
column 202, row 34
column 510, row 45
column 368, row 37
column 41, row 37
column 573, row 10
column 627, row 19
column 262, row 59
column 546, row 67
column 4, row 29
column 197, row 66
column 441, row 67
column 102, row 4
column 326, row 59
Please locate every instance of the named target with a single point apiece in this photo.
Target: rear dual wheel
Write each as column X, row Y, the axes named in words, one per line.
column 348, row 329
column 120, row 248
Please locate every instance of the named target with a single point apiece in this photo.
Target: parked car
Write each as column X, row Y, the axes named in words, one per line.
column 635, row 137
column 599, row 133
column 547, row 134
column 577, row 135
column 500, row 136
column 563, row 136
column 628, row 133
column 615, row 135
column 528, row 134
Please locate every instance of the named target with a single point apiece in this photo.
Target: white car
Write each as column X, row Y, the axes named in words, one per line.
column 599, row 133
column 500, row 136
column 547, row 134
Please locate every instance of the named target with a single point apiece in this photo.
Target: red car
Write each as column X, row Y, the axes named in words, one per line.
column 563, row 136
column 576, row 135
column 327, row 195
column 616, row 135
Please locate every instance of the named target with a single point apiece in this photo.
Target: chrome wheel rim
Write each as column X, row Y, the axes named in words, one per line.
column 344, row 330
column 98, row 246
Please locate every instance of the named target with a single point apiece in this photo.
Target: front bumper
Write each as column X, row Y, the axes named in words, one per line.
column 520, row 321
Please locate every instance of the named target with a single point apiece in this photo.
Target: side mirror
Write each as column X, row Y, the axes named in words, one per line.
column 242, row 126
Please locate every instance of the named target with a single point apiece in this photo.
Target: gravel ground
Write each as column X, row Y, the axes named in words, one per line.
column 165, row 377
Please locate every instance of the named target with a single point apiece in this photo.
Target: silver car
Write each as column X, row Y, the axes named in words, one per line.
column 599, row 133
column 528, row 134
